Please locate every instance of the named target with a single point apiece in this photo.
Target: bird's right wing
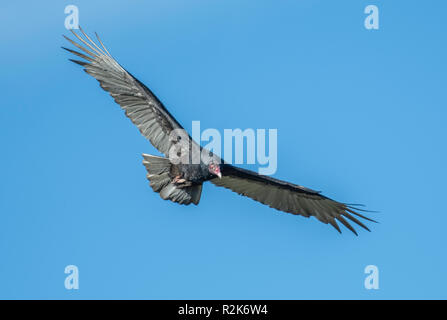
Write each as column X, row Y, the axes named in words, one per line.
column 139, row 103
column 288, row 197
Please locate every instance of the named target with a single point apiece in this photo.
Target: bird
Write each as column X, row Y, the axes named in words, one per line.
column 181, row 181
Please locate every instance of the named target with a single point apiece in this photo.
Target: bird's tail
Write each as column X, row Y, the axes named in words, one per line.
column 159, row 175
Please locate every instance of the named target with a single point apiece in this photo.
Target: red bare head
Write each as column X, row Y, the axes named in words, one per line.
column 215, row 169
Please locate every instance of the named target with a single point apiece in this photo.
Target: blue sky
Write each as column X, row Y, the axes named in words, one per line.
column 360, row 115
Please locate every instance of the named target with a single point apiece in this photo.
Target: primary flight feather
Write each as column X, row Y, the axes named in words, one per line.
column 181, row 181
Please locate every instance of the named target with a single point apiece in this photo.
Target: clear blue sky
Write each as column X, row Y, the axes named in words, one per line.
column 361, row 115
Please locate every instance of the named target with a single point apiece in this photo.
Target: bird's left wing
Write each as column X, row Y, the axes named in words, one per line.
column 139, row 103
column 288, row 197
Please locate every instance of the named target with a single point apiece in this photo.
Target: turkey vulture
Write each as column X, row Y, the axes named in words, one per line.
column 181, row 181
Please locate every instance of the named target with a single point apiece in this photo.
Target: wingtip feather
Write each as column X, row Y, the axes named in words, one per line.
column 346, row 224
column 81, row 63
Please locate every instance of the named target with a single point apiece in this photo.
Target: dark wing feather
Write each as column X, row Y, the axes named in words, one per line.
column 139, row 103
column 287, row 197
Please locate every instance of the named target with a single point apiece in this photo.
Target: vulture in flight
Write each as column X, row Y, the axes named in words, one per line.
column 181, row 181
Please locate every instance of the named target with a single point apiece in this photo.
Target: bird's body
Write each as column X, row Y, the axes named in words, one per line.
column 176, row 176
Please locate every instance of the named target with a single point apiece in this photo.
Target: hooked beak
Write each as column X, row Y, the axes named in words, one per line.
column 219, row 175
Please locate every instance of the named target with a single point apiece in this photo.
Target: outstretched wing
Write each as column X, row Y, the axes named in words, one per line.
column 288, row 197
column 139, row 103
